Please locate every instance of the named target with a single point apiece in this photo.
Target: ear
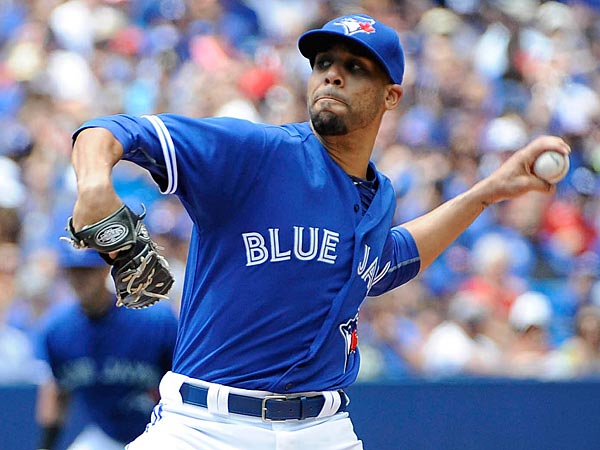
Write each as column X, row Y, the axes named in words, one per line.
column 393, row 96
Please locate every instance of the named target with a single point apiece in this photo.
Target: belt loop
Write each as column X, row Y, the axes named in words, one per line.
column 217, row 399
column 332, row 403
column 212, row 399
column 223, row 400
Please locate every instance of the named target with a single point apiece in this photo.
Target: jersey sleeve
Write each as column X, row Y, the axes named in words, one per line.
column 401, row 252
column 207, row 162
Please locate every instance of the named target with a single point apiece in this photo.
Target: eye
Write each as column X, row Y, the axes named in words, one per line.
column 356, row 66
column 322, row 62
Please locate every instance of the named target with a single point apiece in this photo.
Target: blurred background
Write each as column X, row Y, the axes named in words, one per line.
column 516, row 298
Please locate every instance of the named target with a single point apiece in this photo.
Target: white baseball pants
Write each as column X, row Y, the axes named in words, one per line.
column 179, row 426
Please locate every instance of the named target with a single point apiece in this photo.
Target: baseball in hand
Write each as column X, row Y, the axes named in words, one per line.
column 551, row 166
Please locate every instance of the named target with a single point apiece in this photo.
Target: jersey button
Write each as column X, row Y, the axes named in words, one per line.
column 356, row 208
column 288, row 386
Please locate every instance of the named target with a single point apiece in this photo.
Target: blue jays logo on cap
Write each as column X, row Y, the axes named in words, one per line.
column 378, row 39
column 357, row 24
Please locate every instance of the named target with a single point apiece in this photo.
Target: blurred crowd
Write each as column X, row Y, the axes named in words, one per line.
column 517, row 295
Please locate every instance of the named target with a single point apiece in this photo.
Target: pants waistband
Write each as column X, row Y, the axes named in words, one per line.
column 268, row 408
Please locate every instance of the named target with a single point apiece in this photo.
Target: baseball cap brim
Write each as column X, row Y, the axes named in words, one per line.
column 314, row 41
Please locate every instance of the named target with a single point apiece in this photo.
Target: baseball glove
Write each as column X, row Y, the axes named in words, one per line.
column 141, row 275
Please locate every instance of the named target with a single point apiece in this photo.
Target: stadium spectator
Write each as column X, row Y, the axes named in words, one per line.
column 493, row 281
column 461, row 345
column 579, row 356
column 17, row 359
column 528, row 355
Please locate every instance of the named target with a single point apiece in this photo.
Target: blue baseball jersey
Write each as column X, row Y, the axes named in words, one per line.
column 281, row 256
column 111, row 365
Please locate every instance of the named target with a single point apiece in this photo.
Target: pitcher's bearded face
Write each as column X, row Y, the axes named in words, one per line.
column 345, row 91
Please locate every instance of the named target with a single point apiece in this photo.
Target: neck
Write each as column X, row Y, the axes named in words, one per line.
column 351, row 151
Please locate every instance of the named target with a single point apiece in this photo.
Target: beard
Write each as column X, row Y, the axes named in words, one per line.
column 328, row 124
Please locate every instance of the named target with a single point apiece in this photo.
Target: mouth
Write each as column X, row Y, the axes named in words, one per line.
column 329, row 99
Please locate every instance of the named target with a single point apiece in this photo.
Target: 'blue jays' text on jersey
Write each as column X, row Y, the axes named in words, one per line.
column 110, row 365
column 281, row 256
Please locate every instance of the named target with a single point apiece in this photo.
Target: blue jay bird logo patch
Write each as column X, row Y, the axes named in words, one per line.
column 357, row 24
column 350, row 332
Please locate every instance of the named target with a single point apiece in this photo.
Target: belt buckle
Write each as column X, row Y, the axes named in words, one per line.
column 263, row 409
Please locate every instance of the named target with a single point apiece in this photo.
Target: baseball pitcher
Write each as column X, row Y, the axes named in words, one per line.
column 292, row 231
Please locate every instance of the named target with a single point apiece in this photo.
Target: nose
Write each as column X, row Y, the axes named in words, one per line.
column 334, row 76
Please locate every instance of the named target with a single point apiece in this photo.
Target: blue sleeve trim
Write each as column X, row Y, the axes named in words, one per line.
column 168, row 148
column 401, row 251
column 406, row 249
column 145, row 132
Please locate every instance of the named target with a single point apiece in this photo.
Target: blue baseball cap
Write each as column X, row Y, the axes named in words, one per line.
column 378, row 39
column 71, row 257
